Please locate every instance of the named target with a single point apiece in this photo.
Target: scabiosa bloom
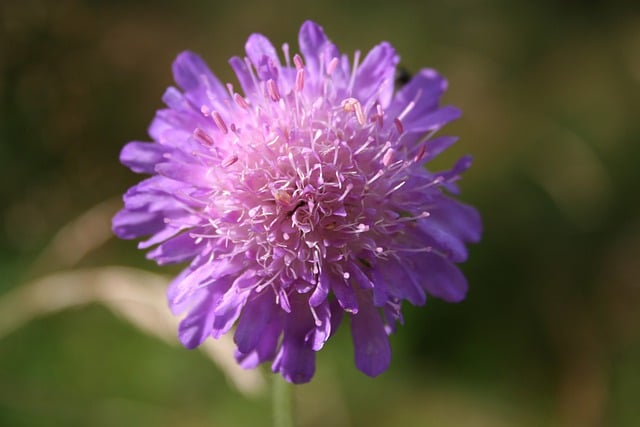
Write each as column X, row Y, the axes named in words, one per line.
column 298, row 198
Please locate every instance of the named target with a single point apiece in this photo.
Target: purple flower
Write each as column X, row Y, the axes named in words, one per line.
column 299, row 197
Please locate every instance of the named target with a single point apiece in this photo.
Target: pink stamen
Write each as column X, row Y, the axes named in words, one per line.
column 298, row 61
column 272, row 88
column 421, row 152
column 388, row 156
column 217, row 118
column 380, row 115
column 299, row 80
column 241, row 101
column 332, row 66
column 229, row 161
column 399, row 126
column 202, row 137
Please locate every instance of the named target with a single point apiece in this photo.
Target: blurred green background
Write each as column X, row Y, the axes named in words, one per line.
column 550, row 332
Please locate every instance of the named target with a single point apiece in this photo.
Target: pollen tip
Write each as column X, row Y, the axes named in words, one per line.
column 299, row 80
column 272, row 89
column 202, row 137
column 420, row 154
column 240, row 100
column 332, row 66
column 398, row 125
column 229, row 161
column 219, row 121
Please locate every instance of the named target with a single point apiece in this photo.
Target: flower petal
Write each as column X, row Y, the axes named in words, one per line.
column 457, row 218
column 344, row 293
column 393, row 277
column 430, row 234
column 375, row 76
column 141, row 157
column 227, row 310
column 178, row 249
column 196, row 326
column 432, row 121
column 244, row 76
column 194, row 76
column 263, row 56
column 129, row 224
column 296, row 360
column 440, row 277
column 178, row 304
column 424, row 89
column 183, row 172
column 254, row 320
column 370, row 340
column 266, row 347
column 321, row 291
column 316, row 48
column 322, row 330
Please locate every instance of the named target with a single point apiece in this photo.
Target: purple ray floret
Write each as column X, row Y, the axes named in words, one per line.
column 299, row 197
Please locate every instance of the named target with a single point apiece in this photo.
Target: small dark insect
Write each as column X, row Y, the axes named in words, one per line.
column 300, row 203
column 403, row 76
column 365, row 262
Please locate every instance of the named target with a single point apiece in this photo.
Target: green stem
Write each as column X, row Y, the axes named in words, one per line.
column 282, row 402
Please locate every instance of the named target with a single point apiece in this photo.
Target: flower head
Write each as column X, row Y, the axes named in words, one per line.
column 298, row 197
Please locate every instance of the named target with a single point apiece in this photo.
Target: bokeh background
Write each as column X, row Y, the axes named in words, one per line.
column 550, row 332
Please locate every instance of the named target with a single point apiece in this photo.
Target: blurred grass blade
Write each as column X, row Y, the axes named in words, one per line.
column 135, row 295
column 79, row 237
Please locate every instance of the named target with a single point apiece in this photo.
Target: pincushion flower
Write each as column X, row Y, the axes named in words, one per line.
column 298, row 197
